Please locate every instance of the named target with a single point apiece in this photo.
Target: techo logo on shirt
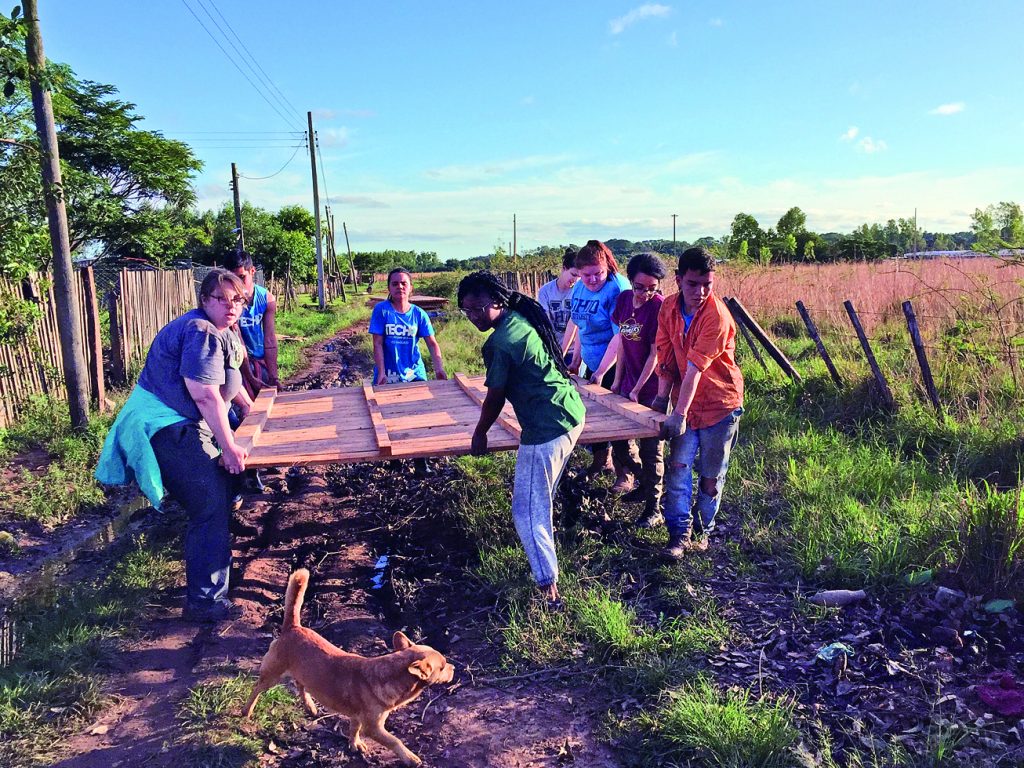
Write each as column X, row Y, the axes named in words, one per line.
column 399, row 329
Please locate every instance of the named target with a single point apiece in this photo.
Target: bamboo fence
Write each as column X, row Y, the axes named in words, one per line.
column 144, row 303
column 33, row 365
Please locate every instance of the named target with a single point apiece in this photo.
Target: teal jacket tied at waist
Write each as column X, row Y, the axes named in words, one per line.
column 127, row 453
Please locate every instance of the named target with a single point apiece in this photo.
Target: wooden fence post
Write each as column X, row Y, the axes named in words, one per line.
column 745, row 333
column 812, row 330
column 117, row 361
column 93, row 341
column 762, row 336
column 922, row 357
column 883, row 385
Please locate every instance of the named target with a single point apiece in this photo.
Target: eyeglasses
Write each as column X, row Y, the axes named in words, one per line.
column 637, row 288
column 475, row 311
column 233, row 301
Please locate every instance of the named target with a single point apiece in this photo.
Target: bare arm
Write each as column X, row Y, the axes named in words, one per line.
column 270, row 339
column 435, row 358
column 645, row 374
column 611, row 354
column 489, row 412
column 568, row 337
column 214, row 411
column 378, row 358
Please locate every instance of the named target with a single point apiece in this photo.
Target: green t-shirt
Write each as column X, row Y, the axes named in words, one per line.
column 546, row 403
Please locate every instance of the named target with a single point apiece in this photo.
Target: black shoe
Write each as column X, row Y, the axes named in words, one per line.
column 678, row 543
column 421, row 469
column 637, row 496
column 211, row 612
column 651, row 518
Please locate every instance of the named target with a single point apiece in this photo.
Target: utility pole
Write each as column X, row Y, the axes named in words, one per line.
column 240, row 244
column 674, row 227
column 69, row 321
column 515, row 244
column 334, row 254
column 351, row 264
column 316, row 215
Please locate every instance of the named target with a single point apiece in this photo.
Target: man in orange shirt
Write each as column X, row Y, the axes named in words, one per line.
column 696, row 345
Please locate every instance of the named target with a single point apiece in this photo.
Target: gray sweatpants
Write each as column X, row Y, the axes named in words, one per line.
column 538, row 470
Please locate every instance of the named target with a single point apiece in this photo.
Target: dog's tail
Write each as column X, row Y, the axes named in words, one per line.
column 293, row 597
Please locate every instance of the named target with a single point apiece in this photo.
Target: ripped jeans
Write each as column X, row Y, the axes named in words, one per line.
column 707, row 450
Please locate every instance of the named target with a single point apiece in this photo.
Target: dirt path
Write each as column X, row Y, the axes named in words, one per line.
column 317, row 518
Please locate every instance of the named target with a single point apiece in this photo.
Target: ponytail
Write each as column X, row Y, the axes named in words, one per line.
column 486, row 283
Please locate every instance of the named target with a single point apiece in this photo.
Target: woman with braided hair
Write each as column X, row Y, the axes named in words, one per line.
column 525, row 366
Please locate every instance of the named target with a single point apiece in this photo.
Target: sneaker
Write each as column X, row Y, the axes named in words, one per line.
column 623, row 483
column 699, row 543
column 637, row 496
column 211, row 612
column 555, row 606
column 678, row 543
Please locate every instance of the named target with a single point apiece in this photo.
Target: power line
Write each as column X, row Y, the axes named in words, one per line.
column 261, row 178
column 245, row 47
column 234, row 63
column 250, row 146
column 202, row 4
column 323, row 170
column 233, row 133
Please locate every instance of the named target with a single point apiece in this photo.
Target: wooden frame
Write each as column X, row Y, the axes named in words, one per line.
column 406, row 421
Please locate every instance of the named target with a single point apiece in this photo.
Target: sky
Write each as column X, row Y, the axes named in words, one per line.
column 437, row 122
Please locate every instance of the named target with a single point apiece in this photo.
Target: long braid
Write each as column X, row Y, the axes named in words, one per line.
column 486, row 283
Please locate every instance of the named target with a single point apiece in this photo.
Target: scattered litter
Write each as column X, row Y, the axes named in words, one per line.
column 378, row 572
column 947, row 636
column 836, row 598
column 831, row 651
column 99, row 730
column 999, row 606
column 1003, row 694
column 946, row 598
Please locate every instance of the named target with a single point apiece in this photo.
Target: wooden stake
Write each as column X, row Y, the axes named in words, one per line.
column 762, row 336
column 92, row 325
column 812, row 330
column 745, row 333
column 922, row 357
column 351, row 264
column 883, row 385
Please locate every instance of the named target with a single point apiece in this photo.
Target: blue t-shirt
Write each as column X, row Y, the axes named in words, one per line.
column 402, row 333
column 250, row 323
column 592, row 313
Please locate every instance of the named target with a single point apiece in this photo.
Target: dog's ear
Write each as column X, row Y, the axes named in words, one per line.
column 421, row 669
column 400, row 642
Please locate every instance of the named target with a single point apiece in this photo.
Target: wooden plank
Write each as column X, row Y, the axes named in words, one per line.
column 506, row 418
column 623, row 406
column 248, row 432
column 380, row 429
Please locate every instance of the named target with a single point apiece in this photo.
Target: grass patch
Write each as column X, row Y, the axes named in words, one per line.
column 53, row 685
column 216, row 734
column 703, row 725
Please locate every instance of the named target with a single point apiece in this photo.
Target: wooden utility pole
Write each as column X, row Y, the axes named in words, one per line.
column 69, row 321
column 351, row 264
column 335, row 270
column 674, row 226
column 515, row 242
column 240, row 243
column 316, row 216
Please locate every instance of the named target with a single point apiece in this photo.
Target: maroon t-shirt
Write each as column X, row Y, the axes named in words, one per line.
column 637, row 327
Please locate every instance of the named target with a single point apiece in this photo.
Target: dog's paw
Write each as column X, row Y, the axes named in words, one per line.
column 360, row 746
column 412, row 761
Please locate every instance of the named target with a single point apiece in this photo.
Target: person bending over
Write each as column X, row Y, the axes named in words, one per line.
column 525, row 366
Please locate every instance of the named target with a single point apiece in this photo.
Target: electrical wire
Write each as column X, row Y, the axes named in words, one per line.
column 253, row 58
column 261, row 178
column 235, row 64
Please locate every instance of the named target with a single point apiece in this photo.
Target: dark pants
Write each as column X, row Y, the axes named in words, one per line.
column 188, row 459
column 650, row 468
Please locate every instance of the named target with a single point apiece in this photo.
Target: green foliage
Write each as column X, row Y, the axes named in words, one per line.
column 17, row 317
column 728, row 729
column 989, row 547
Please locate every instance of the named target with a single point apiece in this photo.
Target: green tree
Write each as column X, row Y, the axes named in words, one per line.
column 746, row 229
column 793, row 222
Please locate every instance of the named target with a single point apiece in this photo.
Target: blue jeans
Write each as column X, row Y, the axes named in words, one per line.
column 190, row 471
column 707, row 450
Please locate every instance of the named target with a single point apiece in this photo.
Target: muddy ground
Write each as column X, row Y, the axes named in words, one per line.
column 912, row 678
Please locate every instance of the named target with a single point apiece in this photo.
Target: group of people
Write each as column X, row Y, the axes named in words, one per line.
column 174, row 434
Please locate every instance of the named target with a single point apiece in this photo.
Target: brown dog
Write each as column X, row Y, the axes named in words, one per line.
column 365, row 690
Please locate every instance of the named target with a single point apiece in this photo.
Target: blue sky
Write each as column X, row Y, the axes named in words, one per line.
column 439, row 121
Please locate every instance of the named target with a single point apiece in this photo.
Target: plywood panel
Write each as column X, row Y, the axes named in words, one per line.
column 417, row 419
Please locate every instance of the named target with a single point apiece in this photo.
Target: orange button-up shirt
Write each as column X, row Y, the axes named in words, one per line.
column 710, row 345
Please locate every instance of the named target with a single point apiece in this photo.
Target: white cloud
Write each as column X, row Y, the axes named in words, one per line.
column 871, row 146
column 333, row 137
column 948, row 109
column 646, row 11
column 716, row 22
column 493, row 170
column 334, row 114
column 851, row 133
